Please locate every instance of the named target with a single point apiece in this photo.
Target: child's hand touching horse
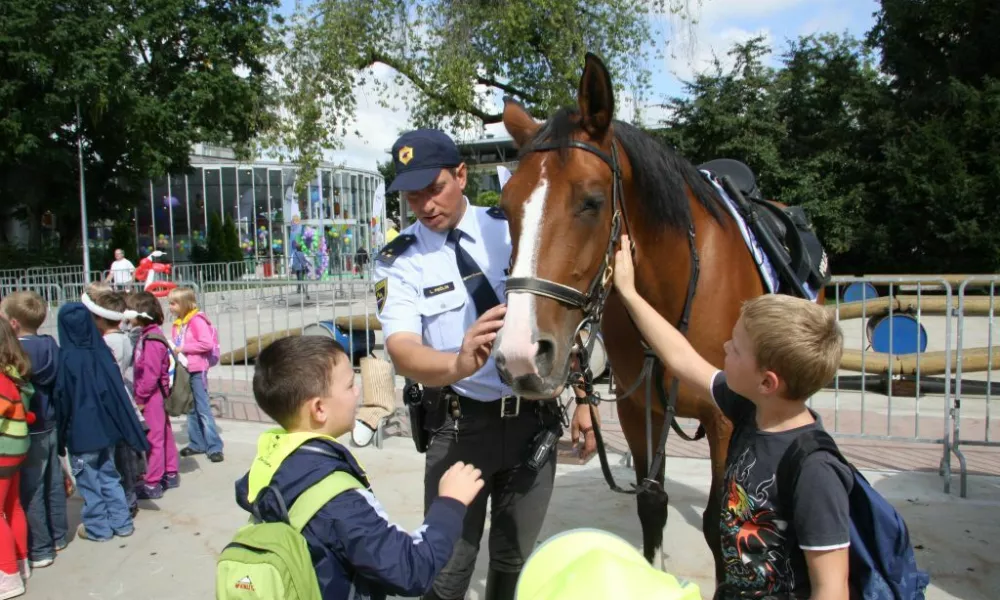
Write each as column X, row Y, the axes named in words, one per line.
column 624, row 275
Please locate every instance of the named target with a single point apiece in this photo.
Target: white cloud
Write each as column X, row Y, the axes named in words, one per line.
column 716, row 26
column 377, row 125
column 716, row 44
column 714, row 11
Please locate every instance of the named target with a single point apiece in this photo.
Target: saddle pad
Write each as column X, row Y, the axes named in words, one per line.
column 767, row 271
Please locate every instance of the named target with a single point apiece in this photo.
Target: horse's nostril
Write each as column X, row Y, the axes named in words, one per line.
column 544, row 357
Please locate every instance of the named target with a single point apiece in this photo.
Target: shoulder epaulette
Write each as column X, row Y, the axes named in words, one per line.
column 496, row 212
column 391, row 251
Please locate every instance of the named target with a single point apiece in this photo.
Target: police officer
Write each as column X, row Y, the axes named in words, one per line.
column 439, row 290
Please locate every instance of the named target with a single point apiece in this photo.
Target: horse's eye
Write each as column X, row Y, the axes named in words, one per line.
column 591, row 203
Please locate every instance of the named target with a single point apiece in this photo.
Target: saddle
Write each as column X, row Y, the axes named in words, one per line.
column 785, row 232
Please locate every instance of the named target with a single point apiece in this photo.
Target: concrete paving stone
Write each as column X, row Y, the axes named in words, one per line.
column 178, row 538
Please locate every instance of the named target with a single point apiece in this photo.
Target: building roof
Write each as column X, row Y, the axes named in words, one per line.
column 489, row 150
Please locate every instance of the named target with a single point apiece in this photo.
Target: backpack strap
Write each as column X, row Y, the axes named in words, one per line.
column 156, row 337
column 317, row 495
column 790, row 466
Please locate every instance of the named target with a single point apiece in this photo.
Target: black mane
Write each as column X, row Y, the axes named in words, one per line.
column 659, row 173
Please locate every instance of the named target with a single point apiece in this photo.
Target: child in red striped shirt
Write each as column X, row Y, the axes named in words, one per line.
column 15, row 390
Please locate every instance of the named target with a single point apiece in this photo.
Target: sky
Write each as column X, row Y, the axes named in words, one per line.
column 720, row 23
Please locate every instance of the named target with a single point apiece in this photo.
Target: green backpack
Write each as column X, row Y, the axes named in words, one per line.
column 271, row 559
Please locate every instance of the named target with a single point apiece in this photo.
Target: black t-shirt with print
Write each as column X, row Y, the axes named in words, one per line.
column 764, row 555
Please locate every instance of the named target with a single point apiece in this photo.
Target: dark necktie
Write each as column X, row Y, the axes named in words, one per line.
column 475, row 280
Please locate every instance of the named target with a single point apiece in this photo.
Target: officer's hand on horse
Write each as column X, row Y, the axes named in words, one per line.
column 478, row 342
column 461, row 482
column 582, row 431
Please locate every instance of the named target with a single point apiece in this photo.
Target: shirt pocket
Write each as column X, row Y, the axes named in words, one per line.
column 443, row 316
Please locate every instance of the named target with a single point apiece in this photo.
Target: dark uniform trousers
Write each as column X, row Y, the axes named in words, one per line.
column 499, row 446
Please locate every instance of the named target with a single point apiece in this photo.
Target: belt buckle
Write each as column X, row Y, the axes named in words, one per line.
column 504, row 414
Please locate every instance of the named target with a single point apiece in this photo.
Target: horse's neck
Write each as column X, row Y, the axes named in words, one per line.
column 663, row 271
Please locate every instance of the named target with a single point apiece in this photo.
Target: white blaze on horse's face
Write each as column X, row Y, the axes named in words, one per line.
column 518, row 342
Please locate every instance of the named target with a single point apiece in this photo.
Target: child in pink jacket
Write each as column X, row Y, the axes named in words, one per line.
column 192, row 337
column 151, row 377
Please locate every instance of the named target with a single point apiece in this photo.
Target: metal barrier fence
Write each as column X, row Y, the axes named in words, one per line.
column 882, row 392
column 992, row 353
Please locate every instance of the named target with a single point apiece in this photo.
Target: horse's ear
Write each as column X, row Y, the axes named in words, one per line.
column 518, row 122
column 596, row 97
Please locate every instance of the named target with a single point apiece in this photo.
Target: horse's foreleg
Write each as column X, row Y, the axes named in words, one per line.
column 651, row 501
column 718, row 431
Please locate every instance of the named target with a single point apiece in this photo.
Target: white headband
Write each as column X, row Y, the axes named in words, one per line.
column 109, row 314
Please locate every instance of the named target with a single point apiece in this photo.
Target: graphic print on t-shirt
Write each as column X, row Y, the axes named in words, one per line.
column 753, row 536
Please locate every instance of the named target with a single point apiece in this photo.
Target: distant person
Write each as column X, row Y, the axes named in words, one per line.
column 300, row 266
column 121, row 272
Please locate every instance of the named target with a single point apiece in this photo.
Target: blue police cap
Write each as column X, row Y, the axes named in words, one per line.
column 419, row 157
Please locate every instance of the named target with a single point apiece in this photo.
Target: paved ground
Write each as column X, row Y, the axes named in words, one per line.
column 177, row 539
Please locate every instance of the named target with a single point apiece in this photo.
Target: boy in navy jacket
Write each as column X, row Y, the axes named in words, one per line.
column 306, row 384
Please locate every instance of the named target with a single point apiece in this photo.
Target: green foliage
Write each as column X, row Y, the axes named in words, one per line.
column 149, row 78
column 387, row 170
column 458, row 57
column 16, row 256
column 231, row 250
column 123, row 236
column 488, row 198
column 898, row 164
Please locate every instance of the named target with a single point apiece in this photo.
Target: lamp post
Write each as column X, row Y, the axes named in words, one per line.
column 83, row 196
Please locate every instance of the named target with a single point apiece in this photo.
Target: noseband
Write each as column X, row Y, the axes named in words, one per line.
column 592, row 302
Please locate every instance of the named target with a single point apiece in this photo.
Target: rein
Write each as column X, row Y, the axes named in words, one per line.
column 592, row 304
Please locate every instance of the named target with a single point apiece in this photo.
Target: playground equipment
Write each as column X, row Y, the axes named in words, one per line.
column 155, row 270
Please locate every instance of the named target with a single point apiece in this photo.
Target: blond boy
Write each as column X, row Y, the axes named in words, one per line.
column 782, row 351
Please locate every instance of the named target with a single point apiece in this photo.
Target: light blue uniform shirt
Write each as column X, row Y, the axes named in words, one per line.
column 424, row 292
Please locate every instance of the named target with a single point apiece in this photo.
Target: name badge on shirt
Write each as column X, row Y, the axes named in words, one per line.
column 430, row 292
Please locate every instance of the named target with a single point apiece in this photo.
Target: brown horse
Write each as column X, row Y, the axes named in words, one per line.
column 567, row 206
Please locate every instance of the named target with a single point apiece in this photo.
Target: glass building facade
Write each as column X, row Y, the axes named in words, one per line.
column 333, row 214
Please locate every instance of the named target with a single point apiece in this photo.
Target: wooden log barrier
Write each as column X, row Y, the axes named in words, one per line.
column 255, row 346
column 929, row 305
column 358, row 322
column 931, row 363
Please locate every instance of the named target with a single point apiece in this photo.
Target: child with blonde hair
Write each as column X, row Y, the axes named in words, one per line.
column 783, row 350
column 193, row 338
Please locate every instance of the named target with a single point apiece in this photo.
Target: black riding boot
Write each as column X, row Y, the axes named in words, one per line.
column 501, row 586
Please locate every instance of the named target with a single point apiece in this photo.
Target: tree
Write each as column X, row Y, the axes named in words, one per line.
column 809, row 129
column 731, row 114
column 231, row 249
column 148, row 78
column 487, row 198
column 216, row 243
column 941, row 175
column 393, row 209
column 829, row 95
column 460, row 56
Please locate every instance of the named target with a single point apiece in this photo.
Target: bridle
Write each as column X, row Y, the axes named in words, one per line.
column 592, row 304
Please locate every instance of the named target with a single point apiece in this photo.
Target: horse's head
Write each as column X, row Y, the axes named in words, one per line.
column 560, row 204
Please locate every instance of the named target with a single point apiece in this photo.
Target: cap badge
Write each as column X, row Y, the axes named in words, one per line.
column 405, row 155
